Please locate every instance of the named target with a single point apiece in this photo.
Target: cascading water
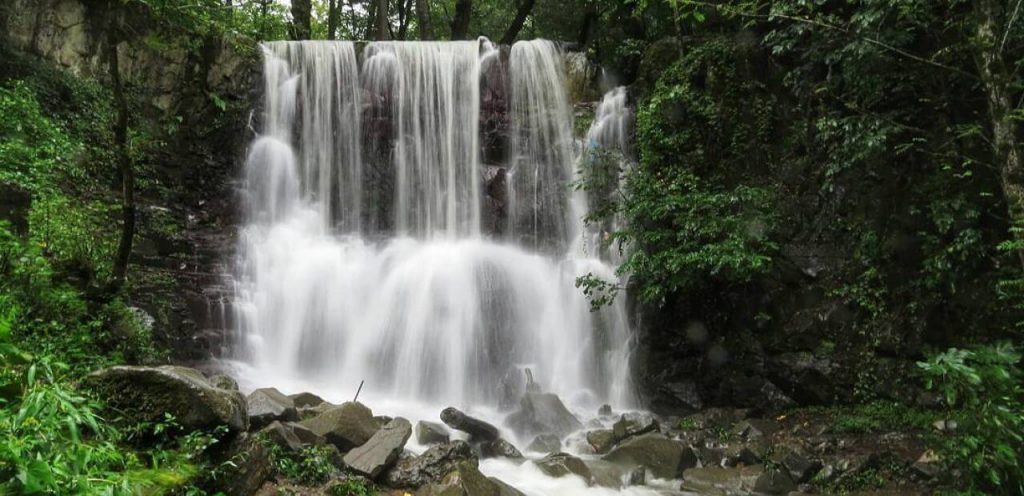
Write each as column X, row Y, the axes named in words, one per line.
column 364, row 257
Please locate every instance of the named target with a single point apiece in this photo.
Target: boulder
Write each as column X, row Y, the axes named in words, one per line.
column 147, row 394
column 466, row 480
column 267, row 405
column 665, row 458
column 634, row 424
column 678, row 397
column 382, row 450
column 282, row 436
column 601, row 440
column 306, row 400
column 499, row 448
column 605, row 410
column 721, row 481
column 606, row 474
column 542, row 412
column 250, row 466
column 740, row 454
column 751, row 429
column 224, row 382
column 545, row 443
column 431, row 433
column 800, row 466
column 430, row 467
column 346, row 426
column 774, row 482
column 561, row 464
column 477, row 429
column 808, row 378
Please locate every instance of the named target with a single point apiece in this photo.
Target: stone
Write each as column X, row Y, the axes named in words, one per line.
column 505, row 489
column 380, row 451
column 751, row 429
column 465, row 480
column 683, row 397
column 250, row 466
column 224, row 382
column 477, row 429
column 306, row 436
column 605, row 410
column 637, row 477
column 432, row 466
column 562, row 464
column 346, row 426
column 800, row 466
column 807, row 378
column 305, row 400
column 431, row 433
column 499, row 448
column 147, row 394
column 740, row 454
column 607, row 474
column 601, row 440
column 774, row 482
column 721, row 481
column 282, row 436
column 665, row 458
column 634, row 424
column 267, row 405
column 545, row 443
column 540, row 413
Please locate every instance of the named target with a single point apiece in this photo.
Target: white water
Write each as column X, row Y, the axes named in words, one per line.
column 363, row 258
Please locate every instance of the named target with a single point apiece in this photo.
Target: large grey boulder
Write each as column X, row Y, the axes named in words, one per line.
column 499, row 448
column 382, row 450
column 147, row 394
column 346, row 426
column 665, row 458
column 545, row 443
column 602, row 440
column 251, row 464
column 634, row 424
column 432, row 466
column 540, row 413
column 291, row 435
column 465, row 479
column 561, row 464
column 477, row 429
column 267, row 405
column 431, row 433
column 306, row 400
column 721, row 481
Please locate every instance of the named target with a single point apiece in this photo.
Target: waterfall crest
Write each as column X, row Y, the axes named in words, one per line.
column 364, row 258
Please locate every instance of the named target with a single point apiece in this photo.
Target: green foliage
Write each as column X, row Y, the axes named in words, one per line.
column 351, row 487
column 37, row 154
column 310, row 466
column 193, row 21
column 873, row 417
column 983, row 389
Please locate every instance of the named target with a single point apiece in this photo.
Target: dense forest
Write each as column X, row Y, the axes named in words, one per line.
column 818, row 224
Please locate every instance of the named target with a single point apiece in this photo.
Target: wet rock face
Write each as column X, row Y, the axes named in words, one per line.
column 432, row 466
column 345, row 426
column 146, row 394
column 478, row 430
column 431, row 433
column 665, row 458
column 546, row 443
column 306, row 400
column 499, row 448
column 267, row 405
column 541, row 413
column 562, row 464
column 380, row 451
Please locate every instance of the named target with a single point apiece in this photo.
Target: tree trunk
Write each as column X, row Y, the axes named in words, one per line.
column 124, row 166
column 383, row 24
column 996, row 78
column 301, row 19
column 332, row 18
column 404, row 18
column 524, row 7
column 587, row 27
column 423, row 19
column 460, row 23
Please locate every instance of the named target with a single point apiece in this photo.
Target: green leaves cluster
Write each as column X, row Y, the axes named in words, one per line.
column 983, row 388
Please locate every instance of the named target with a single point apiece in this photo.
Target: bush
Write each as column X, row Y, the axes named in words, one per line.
column 982, row 388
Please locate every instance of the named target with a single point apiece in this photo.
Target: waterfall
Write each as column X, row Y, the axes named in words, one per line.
column 364, row 257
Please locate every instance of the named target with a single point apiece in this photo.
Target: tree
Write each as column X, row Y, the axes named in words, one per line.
column 332, row 19
column 124, row 166
column 382, row 31
column 523, row 9
column 301, row 19
column 460, row 23
column 423, row 19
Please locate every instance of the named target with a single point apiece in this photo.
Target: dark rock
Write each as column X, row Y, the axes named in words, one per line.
column 665, row 458
column 381, row 450
column 545, row 443
column 346, row 426
column 499, row 448
column 774, row 482
column 147, row 394
column 606, row 474
column 267, row 405
column 800, row 466
column 751, row 429
column 431, row 466
column 431, row 433
column 505, row 489
column 634, row 424
column 740, row 454
column 711, row 456
column 250, row 466
column 224, row 382
column 477, row 429
column 601, row 440
column 806, row 378
column 14, row 206
column 561, row 464
column 278, row 434
column 605, row 410
column 540, row 413
column 466, row 480
column 637, row 477
column 306, row 436
column 304, row 400
column 680, row 397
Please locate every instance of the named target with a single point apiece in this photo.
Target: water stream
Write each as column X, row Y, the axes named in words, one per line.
column 364, row 256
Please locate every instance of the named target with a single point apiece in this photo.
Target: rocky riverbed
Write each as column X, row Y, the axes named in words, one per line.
column 541, row 447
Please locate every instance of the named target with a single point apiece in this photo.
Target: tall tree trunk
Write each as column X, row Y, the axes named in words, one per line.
column 383, row 24
column 404, row 18
column 587, row 27
column 333, row 13
column 124, row 166
column 423, row 19
column 460, row 23
column 996, row 79
column 523, row 9
column 301, row 19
